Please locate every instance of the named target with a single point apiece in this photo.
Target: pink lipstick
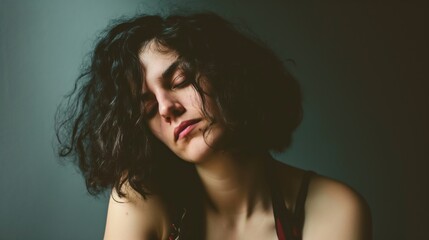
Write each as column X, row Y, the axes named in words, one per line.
column 184, row 128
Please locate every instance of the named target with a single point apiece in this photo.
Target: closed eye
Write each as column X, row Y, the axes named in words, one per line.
column 150, row 110
column 179, row 82
column 149, row 106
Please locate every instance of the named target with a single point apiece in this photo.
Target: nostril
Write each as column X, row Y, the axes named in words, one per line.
column 169, row 109
column 166, row 117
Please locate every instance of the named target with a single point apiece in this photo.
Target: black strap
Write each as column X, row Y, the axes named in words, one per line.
column 299, row 212
column 281, row 214
column 291, row 223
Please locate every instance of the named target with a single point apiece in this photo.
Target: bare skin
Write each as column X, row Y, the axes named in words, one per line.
column 238, row 202
column 333, row 211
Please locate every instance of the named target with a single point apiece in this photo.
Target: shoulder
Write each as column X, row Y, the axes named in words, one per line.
column 335, row 211
column 133, row 217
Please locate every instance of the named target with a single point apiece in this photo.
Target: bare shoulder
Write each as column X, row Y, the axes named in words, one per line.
column 135, row 218
column 335, row 211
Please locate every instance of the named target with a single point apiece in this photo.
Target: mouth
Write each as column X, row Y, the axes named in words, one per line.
column 184, row 128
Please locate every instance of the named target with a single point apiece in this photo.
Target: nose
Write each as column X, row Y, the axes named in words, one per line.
column 169, row 107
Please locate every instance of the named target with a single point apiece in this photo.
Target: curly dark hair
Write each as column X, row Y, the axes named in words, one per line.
column 101, row 126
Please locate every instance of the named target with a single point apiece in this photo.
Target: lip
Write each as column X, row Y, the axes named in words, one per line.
column 185, row 125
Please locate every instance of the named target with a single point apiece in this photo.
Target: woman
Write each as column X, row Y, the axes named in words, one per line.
column 177, row 116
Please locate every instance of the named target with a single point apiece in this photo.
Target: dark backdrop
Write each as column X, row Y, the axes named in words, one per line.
column 363, row 67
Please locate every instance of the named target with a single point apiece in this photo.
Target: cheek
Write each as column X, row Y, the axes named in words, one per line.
column 193, row 99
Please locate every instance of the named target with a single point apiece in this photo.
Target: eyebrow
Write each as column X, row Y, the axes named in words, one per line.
column 166, row 75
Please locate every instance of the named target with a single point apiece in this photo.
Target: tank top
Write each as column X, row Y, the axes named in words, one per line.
column 288, row 224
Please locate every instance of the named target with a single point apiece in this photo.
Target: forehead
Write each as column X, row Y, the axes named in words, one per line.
column 155, row 60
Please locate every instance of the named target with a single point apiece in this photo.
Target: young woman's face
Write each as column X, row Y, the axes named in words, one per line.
column 173, row 107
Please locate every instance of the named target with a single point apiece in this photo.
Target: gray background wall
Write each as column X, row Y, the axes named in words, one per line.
column 363, row 67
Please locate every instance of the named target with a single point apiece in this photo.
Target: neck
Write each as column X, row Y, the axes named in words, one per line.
column 235, row 184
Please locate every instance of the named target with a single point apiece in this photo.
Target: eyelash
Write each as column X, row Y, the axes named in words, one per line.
column 150, row 111
column 183, row 82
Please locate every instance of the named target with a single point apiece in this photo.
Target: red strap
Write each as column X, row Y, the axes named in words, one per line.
column 279, row 230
